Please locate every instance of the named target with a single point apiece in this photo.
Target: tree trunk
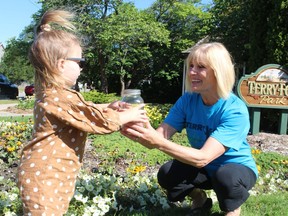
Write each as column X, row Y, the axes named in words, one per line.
column 103, row 76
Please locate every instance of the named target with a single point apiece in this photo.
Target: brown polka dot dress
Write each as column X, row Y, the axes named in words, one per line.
column 51, row 160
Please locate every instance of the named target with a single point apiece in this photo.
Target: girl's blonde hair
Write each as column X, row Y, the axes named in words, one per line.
column 52, row 42
column 215, row 56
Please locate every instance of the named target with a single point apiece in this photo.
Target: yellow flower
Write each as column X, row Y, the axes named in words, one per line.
column 10, row 149
column 256, row 151
column 136, row 169
column 275, row 162
column 258, row 168
column 10, row 137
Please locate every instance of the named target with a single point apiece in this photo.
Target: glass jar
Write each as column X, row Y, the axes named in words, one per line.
column 132, row 96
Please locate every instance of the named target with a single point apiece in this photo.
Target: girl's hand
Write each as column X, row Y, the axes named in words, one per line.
column 133, row 114
column 118, row 105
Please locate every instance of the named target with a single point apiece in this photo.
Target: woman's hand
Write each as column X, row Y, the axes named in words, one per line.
column 147, row 135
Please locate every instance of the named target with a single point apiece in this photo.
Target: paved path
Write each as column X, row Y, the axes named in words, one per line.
column 5, row 112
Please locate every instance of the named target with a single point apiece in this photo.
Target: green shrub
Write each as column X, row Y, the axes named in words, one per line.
column 157, row 113
column 99, row 97
column 27, row 103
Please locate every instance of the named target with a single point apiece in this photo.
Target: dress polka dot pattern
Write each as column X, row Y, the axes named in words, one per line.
column 51, row 161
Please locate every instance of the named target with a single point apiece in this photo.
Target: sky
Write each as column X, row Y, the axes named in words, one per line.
column 15, row 15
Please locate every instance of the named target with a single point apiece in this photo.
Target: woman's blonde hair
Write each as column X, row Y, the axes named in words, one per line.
column 215, row 56
column 52, row 42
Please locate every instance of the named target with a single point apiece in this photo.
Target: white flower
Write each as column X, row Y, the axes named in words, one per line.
column 261, row 181
column 102, row 203
column 119, row 181
column 98, row 213
column 86, row 177
column 10, row 214
column 253, row 193
column 79, row 197
column 13, row 196
column 136, row 179
column 273, row 188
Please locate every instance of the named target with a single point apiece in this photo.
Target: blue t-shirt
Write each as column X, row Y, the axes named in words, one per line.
column 227, row 121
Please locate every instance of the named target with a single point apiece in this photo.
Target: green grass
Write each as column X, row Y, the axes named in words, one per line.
column 16, row 118
column 6, row 101
column 267, row 204
column 111, row 147
column 264, row 205
column 114, row 146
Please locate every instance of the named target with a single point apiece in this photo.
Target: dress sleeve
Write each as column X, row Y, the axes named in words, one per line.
column 71, row 108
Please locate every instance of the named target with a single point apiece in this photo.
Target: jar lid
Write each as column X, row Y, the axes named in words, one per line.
column 131, row 91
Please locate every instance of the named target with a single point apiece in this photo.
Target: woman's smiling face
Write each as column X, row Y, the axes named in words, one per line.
column 202, row 78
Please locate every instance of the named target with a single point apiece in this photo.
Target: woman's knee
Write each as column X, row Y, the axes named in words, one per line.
column 162, row 175
column 173, row 173
column 230, row 185
column 227, row 175
column 235, row 174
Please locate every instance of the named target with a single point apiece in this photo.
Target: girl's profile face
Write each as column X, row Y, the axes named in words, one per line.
column 71, row 65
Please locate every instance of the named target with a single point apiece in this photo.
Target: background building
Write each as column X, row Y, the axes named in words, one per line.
column 1, row 51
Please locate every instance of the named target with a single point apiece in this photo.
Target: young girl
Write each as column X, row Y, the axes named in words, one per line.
column 62, row 118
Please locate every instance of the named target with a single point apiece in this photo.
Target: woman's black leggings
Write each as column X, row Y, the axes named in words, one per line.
column 231, row 182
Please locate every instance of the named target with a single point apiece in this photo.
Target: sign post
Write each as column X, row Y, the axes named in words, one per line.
column 266, row 88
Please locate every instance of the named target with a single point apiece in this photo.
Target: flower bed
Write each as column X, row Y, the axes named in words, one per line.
column 126, row 186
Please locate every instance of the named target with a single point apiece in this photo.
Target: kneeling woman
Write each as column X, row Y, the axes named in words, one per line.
column 217, row 124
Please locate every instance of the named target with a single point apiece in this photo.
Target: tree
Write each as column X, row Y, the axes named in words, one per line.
column 15, row 64
column 255, row 32
column 127, row 36
column 230, row 25
column 258, row 19
column 187, row 24
column 128, row 48
column 277, row 32
column 116, row 36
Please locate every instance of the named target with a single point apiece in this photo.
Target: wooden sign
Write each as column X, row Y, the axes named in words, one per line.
column 265, row 88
